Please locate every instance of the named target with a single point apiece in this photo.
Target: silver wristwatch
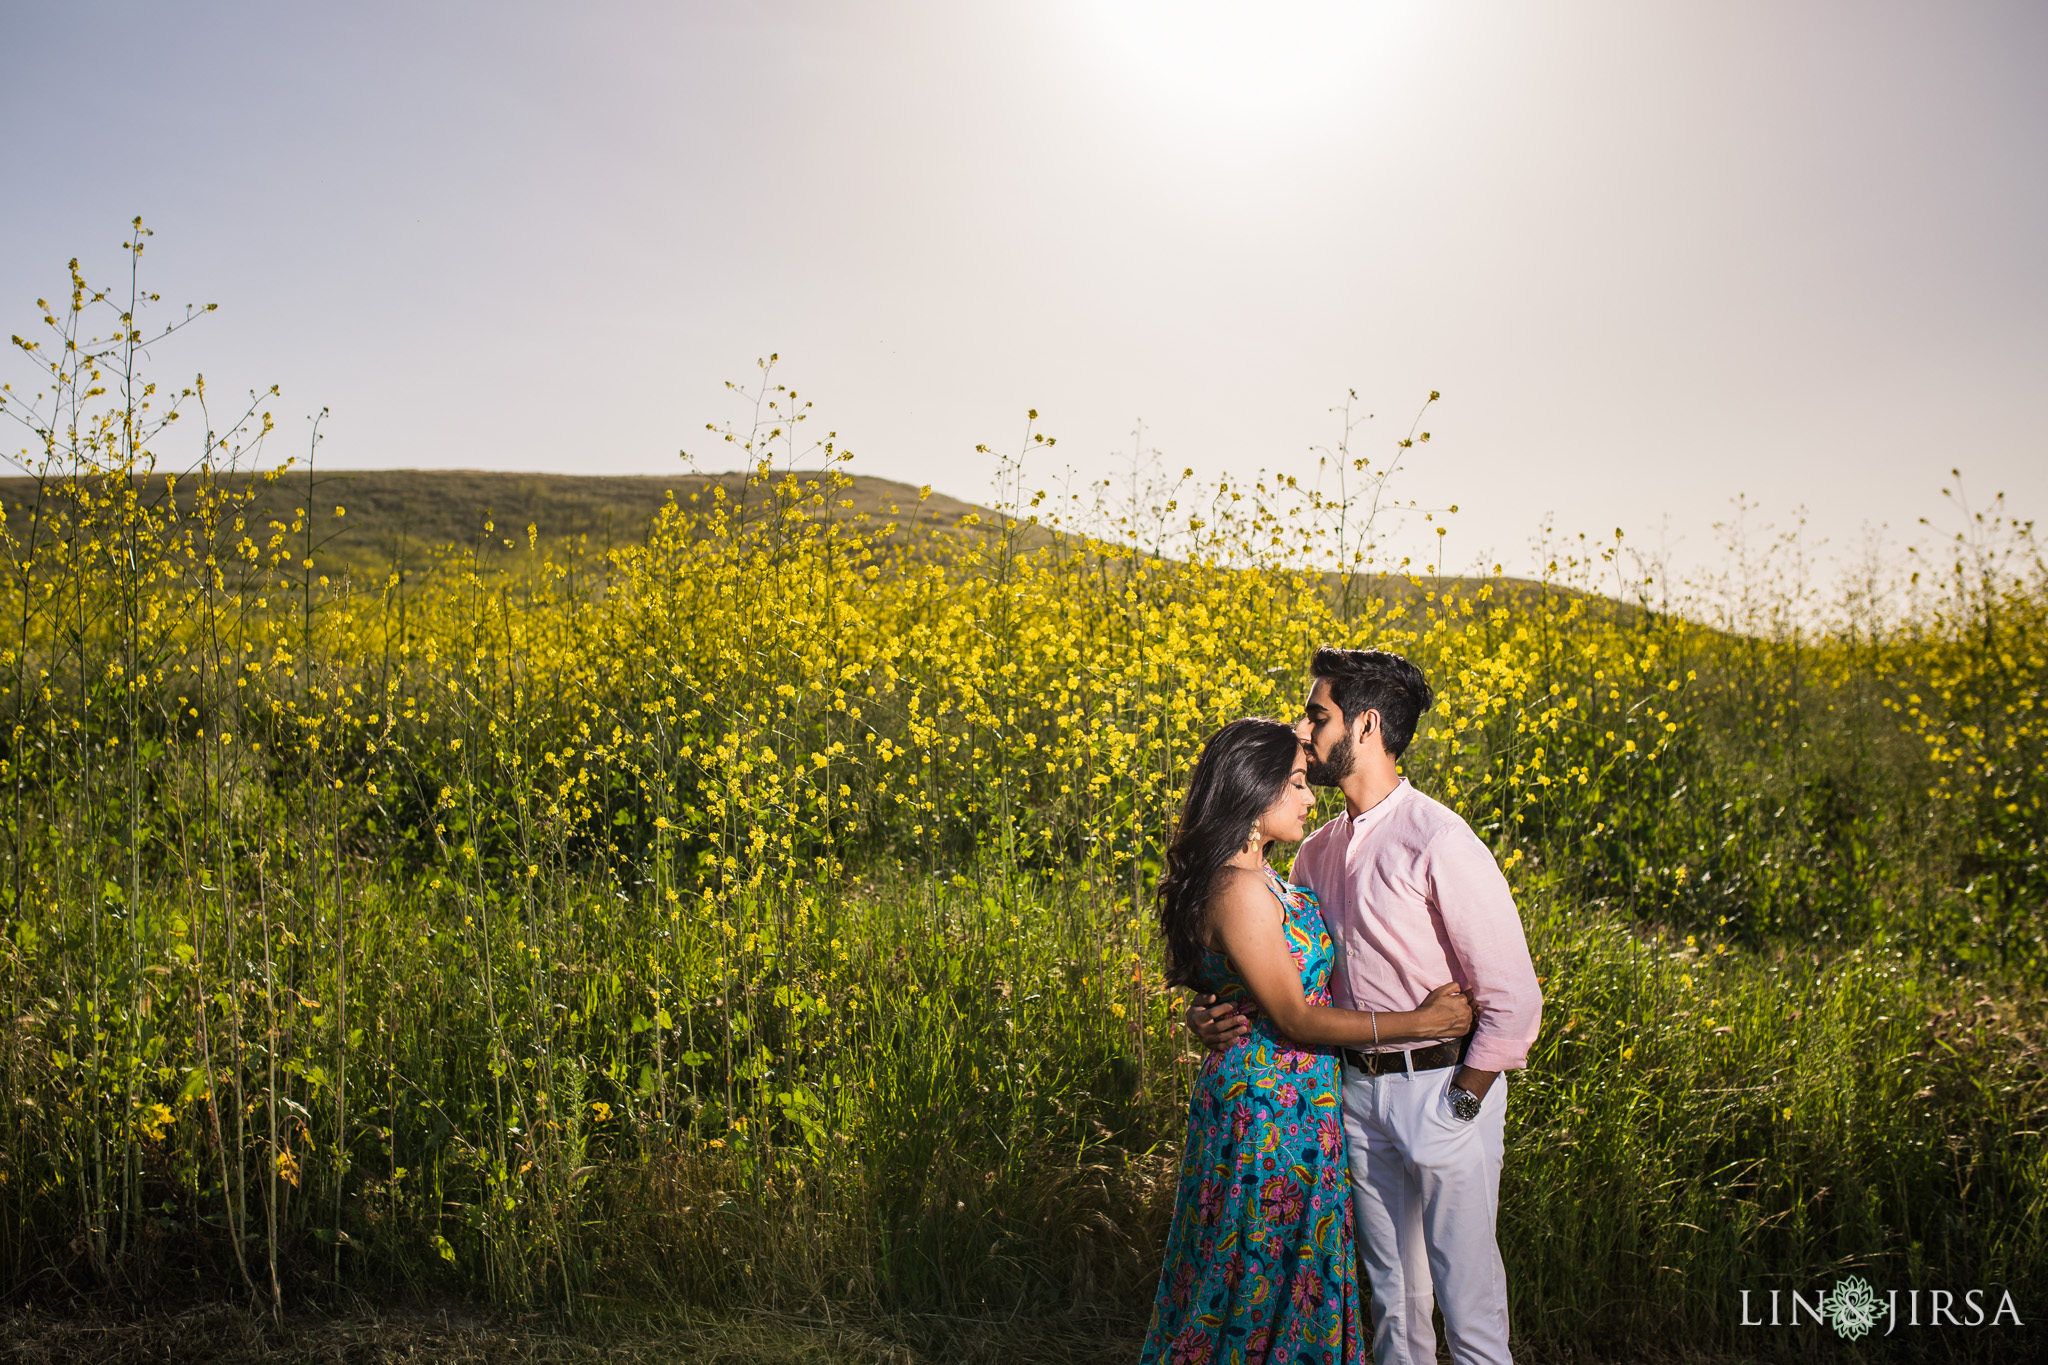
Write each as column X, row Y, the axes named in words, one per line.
column 1464, row 1104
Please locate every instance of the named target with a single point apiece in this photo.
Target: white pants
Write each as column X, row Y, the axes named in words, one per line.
column 1425, row 1187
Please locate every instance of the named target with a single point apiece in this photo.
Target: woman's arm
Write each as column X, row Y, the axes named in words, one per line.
column 1245, row 916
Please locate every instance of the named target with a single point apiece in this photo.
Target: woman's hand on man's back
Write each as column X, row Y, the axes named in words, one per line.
column 1447, row 1011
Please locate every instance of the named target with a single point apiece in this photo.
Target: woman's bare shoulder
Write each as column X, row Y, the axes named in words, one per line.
column 1239, row 891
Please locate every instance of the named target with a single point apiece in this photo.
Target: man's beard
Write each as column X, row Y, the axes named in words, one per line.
column 1328, row 772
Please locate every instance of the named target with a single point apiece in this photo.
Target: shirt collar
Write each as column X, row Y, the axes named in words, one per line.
column 1366, row 819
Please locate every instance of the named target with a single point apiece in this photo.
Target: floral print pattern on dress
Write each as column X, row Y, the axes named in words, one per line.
column 1259, row 1260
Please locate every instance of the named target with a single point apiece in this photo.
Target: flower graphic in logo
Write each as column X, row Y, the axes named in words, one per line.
column 1853, row 1308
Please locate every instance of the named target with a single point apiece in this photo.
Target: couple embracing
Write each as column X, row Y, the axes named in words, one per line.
column 1352, row 1105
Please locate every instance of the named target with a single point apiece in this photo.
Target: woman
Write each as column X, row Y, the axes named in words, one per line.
column 1259, row 1261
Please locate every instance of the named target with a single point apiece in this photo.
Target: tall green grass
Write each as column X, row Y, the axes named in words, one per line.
column 967, row 1128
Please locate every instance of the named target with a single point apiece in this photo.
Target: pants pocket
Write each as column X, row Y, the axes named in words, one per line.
column 1440, row 1102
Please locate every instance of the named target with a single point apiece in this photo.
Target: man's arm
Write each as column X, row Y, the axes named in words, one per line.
column 1477, row 910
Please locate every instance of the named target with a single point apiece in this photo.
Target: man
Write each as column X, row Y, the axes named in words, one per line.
column 1412, row 898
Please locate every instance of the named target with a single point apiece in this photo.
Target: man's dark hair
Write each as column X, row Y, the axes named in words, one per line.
column 1364, row 680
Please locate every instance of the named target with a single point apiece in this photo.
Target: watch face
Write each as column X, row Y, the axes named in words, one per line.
column 1464, row 1104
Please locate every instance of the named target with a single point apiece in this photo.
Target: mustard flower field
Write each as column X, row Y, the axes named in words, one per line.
column 756, row 914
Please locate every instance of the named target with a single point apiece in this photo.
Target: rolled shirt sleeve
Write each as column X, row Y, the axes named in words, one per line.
column 1475, row 910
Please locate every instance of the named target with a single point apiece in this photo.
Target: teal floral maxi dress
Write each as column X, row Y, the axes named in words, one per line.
column 1259, row 1261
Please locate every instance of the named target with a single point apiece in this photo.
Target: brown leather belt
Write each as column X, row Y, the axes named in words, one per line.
column 1432, row 1058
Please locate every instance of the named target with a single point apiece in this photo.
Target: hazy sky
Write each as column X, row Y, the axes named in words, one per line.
column 1652, row 255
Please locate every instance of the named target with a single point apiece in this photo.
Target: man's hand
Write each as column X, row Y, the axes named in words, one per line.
column 1218, row 1026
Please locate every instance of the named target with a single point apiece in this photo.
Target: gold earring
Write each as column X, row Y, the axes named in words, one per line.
column 1253, row 837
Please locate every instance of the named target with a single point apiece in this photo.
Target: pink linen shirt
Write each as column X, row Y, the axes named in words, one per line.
column 1413, row 899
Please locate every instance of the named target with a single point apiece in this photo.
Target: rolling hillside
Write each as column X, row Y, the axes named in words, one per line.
column 407, row 515
column 403, row 514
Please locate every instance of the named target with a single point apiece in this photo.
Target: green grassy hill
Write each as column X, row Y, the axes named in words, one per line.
column 415, row 510
column 406, row 515
column 434, row 507
column 396, row 515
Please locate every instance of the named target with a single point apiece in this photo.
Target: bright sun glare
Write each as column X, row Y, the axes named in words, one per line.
column 1246, row 64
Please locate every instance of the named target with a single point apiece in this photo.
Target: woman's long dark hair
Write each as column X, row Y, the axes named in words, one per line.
column 1241, row 773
